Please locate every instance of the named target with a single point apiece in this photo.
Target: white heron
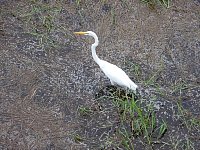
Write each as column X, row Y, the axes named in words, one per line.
column 114, row 73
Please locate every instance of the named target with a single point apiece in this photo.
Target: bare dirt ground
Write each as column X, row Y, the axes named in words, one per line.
column 51, row 89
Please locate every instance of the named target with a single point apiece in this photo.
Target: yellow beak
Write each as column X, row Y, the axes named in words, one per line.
column 80, row 33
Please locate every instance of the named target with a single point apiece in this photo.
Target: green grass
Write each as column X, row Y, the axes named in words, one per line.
column 179, row 87
column 78, row 138
column 39, row 20
column 151, row 81
column 177, row 143
column 126, row 139
column 84, row 111
column 113, row 16
column 152, row 3
column 78, row 2
column 187, row 118
column 141, row 119
column 136, row 70
column 188, row 144
column 162, row 129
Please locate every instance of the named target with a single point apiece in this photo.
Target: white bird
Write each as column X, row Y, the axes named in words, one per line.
column 114, row 73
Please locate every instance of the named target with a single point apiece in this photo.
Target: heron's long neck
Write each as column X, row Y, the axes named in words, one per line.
column 93, row 47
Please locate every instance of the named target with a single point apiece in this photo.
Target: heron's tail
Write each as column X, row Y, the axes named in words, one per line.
column 133, row 86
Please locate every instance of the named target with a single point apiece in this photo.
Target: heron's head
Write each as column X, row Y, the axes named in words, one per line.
column 90, row 33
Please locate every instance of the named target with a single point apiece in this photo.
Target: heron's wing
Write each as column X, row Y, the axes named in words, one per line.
column 115, row 73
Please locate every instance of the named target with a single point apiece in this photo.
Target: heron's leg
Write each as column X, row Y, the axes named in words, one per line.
column 112, row 82
column 126, row 92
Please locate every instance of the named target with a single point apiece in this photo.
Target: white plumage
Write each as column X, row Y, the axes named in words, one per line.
column 114, row 73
